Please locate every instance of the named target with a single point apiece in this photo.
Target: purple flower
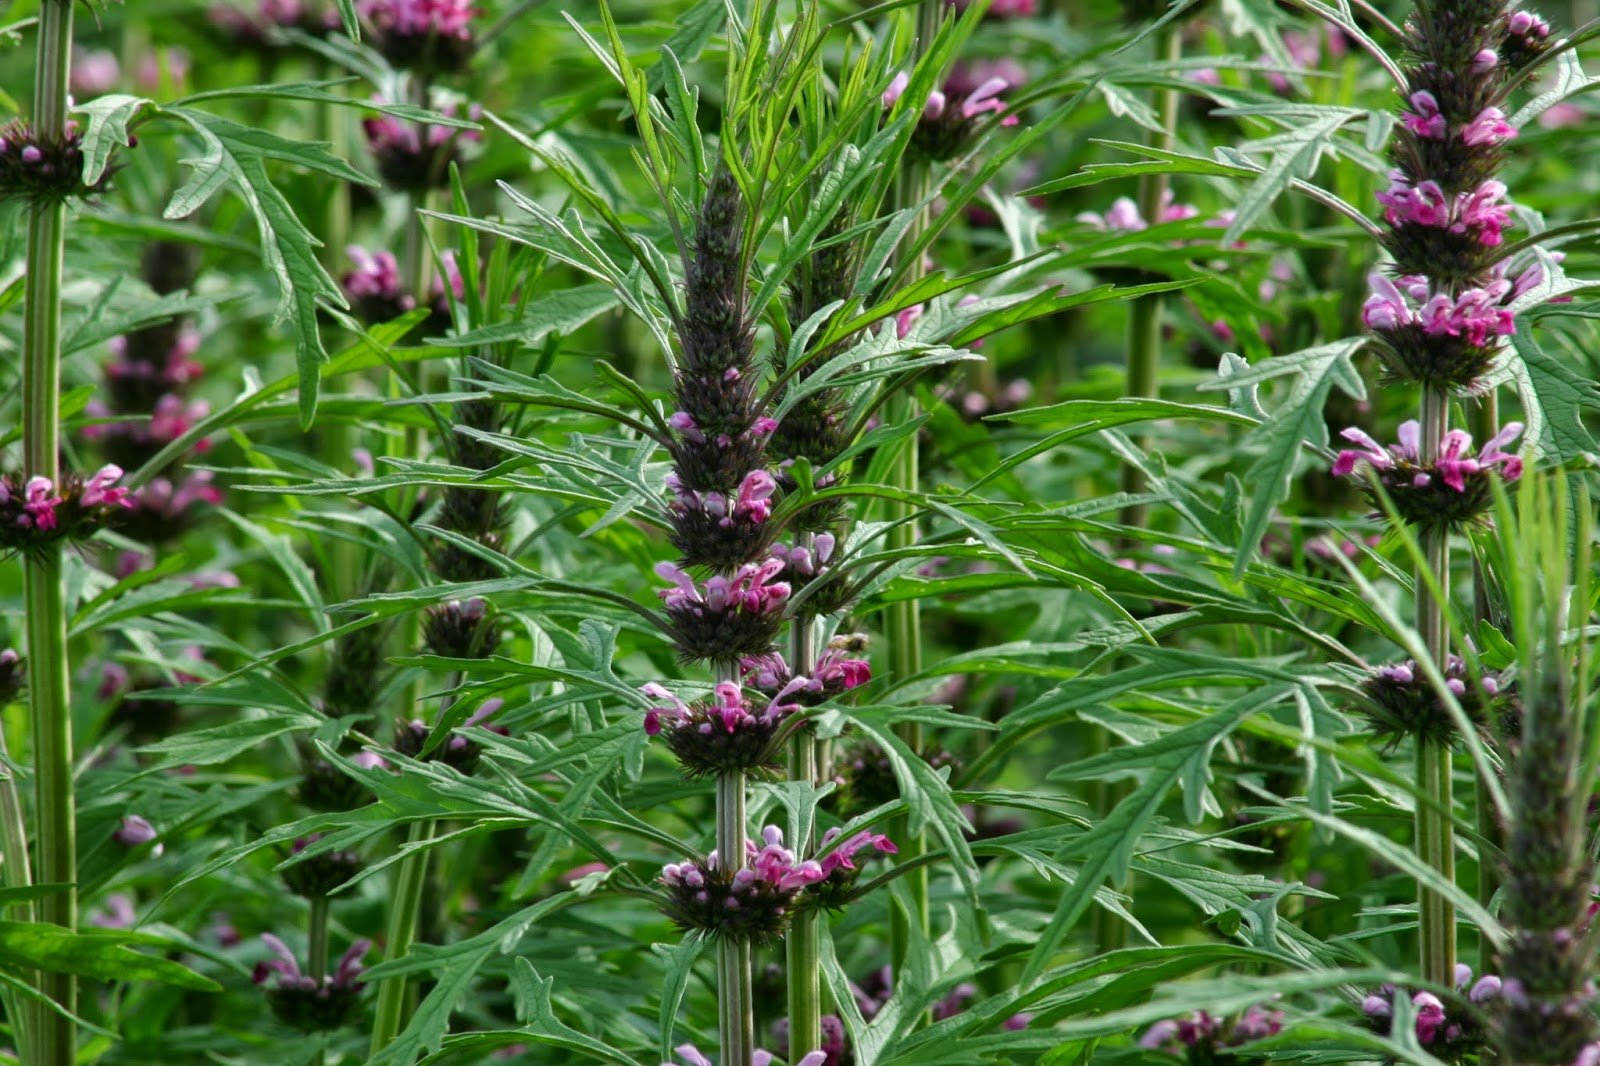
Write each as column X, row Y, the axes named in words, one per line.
column 134, row 831
column 1424, row 119
column 843, row 856
column 1479, row 213
column 1488, row 128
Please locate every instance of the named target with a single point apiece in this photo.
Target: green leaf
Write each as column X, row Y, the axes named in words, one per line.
column 102, row 954
column 1182, row 756
column 107, row 129
column 1296, row 423
column 1555, row 397
column 238, row 154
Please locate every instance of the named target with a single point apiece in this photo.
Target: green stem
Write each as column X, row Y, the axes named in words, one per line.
column 1144, row 314
column 735, row 1001
column 317, row 939
column 1489, row 829
column 803, row 946
column 903, row 620
column 1434, row 831
column 44, row 597
column 405, row 905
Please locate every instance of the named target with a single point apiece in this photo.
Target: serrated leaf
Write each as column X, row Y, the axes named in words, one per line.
column 107, row 130
column 1108, row 848
column 104, row 955
column 1297, row 422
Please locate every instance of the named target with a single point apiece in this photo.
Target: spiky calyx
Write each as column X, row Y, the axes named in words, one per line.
column 37, row 169
column 319, row 875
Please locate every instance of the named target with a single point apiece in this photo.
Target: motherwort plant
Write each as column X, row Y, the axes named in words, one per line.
column 1438, row 315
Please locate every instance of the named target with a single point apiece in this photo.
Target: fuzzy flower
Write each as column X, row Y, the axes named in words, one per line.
column 1124, row 215
column 319, row 875
column 429, row 35
column 1527, row 38
column 1452, row 490
column 836, row 673
column 459, row 751
column 94, row 73
column 36, row 511
column 1424, row 119
column 838, row 862
column 722, row 528
column 411, row 162
column 727, row 618
column 460, row 630
column 297, row 998
column 805, row 566
column 134, row 831
column 724, row 733
column 751, row 904
column 162, row 509
column 1438, row 338
column 1488, row 128
column 1199, row 1036
column 40, row 170
column 1479, row 212
column 373, row 287
column 1448, row 1030
column 1401, row 703
column 951, row 116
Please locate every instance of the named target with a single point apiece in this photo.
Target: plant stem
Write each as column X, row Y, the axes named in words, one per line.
column 317, row 939
column 1435, row 834
column 903, row 621
column 405, row 905
column 735, row 1002
column 803, row 947
column 1490, row 833
column 1144, row 314
column 46, row 616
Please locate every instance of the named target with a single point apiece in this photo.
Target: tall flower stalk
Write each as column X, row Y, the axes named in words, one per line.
column 55, row 1038
column 1437, row 321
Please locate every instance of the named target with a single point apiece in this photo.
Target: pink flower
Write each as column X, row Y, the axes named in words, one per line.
column 420, row 18
column 1425, row 119
column 39, row 504
column 134, row 831
column 1489, row 128
column 97, row 491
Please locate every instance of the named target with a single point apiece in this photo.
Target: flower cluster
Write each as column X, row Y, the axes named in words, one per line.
column 712, row 527
column 1452, row 490
column 460, row 630
column 1442, row 340
column 1527, row 38
column 951, row 117
column 839, row 869
column 414, row 158
column 319, row 875
column 752, row 903
column 459, row 751
column 1199, row 1037
column 1441, row 234
column 727, row 732
column 807, row 565
column 835, row 673
column 434, row 36
column 728, row 618
column 373, row 287
column 161, row 509
column 299, row 999
column 36, row 511
column 1450, row 1031
column 1399, row 701
column 38, row 169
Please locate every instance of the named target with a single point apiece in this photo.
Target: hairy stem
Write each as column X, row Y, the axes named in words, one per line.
column 735, row 1001
column 802, row 947
column 1435, row 834
column 405, row 906
column 55, row 1041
